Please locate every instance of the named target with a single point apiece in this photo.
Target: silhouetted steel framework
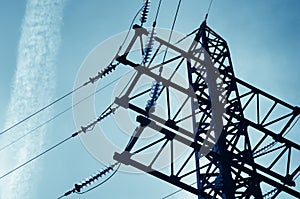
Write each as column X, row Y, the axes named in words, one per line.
column 251, row 149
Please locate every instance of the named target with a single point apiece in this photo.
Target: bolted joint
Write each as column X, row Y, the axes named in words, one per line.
column 143, row 120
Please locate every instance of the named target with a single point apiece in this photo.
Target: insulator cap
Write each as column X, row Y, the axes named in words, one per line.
column 149, row 46
column 93, row 178
column 154, row 93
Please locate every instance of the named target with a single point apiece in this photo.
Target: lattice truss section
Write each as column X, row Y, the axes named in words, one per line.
column 267, row 119
column 179, row 101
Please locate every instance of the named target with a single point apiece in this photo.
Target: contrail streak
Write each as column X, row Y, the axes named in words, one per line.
column 33, row 88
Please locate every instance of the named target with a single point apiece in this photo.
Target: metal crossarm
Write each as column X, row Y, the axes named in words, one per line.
column 252, row 140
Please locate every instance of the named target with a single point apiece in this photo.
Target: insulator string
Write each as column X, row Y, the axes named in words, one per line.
column 77, row 187
column 145, row 12
column 149, row 46
column 269, row 194
column 61, row 113
column 92, row 80
column 127, row 34
column 150, row 43
column 267, row 147
column 74, row 90
column 154, row 94
column 102, row 73
column 88, row 181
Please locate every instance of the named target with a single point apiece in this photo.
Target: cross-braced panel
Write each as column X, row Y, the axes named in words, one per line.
column 229, row 168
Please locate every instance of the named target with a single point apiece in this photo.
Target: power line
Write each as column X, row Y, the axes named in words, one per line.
column 157, row 12
column 208, row 9
column 40, row 110
column 36, row 128
column 183, row 38
column 92, row 80
column 130, row 26
column 71, row 92
column 64, row 111
column 84, row 129
column 172, row 28
column 175, row 192
column 37, row 156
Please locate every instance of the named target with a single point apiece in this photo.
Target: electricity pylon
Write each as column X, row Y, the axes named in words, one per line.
column 236, row 151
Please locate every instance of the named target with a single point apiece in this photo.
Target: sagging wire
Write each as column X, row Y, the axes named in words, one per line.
column 130, row 26
column 92, row 179
column 34, row 129
column 83, row 129
column 61, row 113
column 91, row 80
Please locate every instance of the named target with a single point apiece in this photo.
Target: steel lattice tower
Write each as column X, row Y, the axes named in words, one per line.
column 233, row 167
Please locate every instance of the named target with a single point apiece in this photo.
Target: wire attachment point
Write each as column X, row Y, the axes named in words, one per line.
column 102, row 74
column 92, row 179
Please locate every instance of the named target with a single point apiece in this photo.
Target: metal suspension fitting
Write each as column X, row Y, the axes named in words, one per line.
column 102, row 73
column 106, row 113
column 265, row 148
column 269, row 194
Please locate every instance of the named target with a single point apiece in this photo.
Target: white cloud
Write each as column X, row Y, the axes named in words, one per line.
column 33, row 88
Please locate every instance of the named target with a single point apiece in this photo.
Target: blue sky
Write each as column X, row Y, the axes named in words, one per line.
column 263, row 36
